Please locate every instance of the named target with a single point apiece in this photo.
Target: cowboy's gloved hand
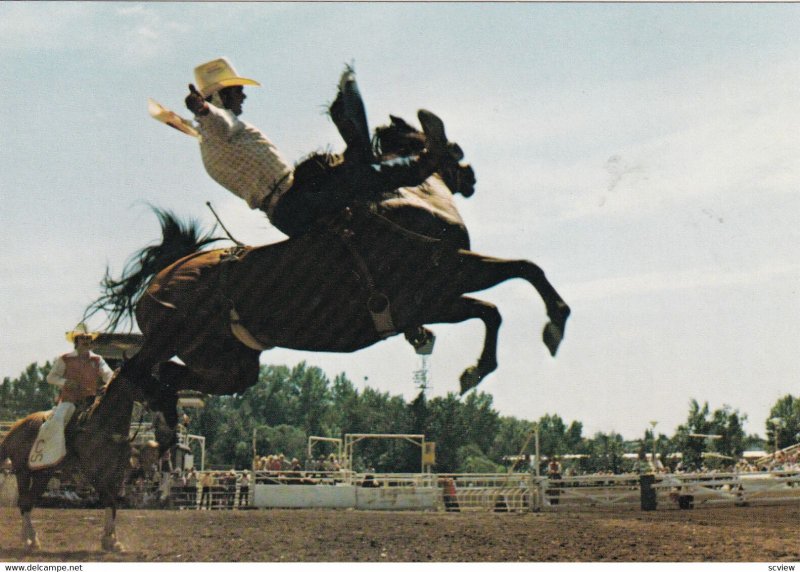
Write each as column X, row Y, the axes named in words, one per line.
column 195, row 101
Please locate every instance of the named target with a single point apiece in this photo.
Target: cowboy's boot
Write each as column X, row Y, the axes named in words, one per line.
column 350, row 117
column 436, row 140
column 50, row 446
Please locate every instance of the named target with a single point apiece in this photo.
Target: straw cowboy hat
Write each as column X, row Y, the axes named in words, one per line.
column 214, row 75
column 81, row 331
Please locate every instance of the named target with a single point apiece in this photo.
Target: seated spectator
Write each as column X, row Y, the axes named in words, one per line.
column 275, row 463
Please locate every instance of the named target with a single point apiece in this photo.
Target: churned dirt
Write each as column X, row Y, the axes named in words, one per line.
column 735, row 534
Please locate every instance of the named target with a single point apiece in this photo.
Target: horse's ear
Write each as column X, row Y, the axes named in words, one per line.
column 399, row 122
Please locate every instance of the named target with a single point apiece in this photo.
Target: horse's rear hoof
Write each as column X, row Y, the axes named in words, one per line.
column 31, row 545
column 470, row 379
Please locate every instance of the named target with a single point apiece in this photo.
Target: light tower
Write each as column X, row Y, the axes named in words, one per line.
column 422, row 376
column 423, row 346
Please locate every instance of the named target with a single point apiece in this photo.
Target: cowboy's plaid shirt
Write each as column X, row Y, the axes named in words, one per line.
column 240, row 158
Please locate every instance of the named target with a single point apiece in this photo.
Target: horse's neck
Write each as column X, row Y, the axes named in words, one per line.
column 434, row 193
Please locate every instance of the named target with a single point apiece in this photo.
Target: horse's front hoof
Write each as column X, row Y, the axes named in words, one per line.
column 470, row 379
column 552, row 336
column 554, row 330
column 31, row 545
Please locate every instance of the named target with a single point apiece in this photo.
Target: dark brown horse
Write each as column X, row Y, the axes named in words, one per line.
column 372, row 272
column 97, row 447
column 339, row 288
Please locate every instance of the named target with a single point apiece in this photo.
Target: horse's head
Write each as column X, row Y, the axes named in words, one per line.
column 460, row 179
column 398, row 139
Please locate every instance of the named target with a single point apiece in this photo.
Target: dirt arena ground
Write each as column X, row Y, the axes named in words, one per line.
column 744, row 534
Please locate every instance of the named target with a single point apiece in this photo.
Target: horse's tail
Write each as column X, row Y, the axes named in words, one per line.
column 119, row 297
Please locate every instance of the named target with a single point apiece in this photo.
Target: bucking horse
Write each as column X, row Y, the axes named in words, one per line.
column 371, row 272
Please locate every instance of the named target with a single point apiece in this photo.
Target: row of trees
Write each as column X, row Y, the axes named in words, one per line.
column 288, row 405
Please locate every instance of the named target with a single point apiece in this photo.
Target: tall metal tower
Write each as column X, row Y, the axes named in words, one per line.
column 422, row 376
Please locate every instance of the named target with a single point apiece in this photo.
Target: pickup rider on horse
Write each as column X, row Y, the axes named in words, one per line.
column 243, row 160
column 80, row 374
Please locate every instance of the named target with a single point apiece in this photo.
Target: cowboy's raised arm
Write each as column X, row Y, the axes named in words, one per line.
column 220, row 122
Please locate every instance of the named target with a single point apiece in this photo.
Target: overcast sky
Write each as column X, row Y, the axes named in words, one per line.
column 646, row 156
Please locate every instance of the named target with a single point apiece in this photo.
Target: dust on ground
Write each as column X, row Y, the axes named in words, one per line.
column 730, row 534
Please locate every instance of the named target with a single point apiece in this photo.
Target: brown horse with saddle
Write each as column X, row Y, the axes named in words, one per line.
column 98, row 447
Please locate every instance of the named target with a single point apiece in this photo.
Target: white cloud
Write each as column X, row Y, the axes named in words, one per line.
column 630, row 148
column 132, row 33
column 697, row 279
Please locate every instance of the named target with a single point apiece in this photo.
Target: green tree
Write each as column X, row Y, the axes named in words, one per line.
column 606, row 453
column 556, row 439
column 27, row 393
column 288, row 440
column 312, row 400
column 728, row 423
column 783, row 423
column 473, row 460
column 514, row 437
column 447, row 429
column 725, row 426
column 691, row 446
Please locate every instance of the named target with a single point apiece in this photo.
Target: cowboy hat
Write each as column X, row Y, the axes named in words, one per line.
column 214, row 75
column 81, row 331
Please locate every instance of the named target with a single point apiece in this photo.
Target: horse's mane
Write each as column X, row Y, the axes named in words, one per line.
column 119, row 296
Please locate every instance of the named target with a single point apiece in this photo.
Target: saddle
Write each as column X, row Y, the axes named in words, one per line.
column 51, row 446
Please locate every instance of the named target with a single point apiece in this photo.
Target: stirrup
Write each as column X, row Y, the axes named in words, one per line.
column 422, row 340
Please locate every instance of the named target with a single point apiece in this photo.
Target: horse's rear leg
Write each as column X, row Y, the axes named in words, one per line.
column 465, row 308
column 230, row 368
column 478, row 272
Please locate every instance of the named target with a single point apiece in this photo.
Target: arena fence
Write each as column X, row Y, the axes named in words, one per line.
column 595, row 491
column 515, row 492
column 669, row 491
column 738, row 489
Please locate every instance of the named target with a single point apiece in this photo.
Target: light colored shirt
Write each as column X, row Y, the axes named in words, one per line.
column 56, row 375
column 239, row 157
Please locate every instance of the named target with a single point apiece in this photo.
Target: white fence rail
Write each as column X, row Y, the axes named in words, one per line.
column 512, row 492
column 596, row 491
column 693, row 490
column 680, row 491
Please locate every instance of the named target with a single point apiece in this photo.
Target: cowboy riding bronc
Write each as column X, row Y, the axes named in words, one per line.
column 243, row 160
column 80, row 374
